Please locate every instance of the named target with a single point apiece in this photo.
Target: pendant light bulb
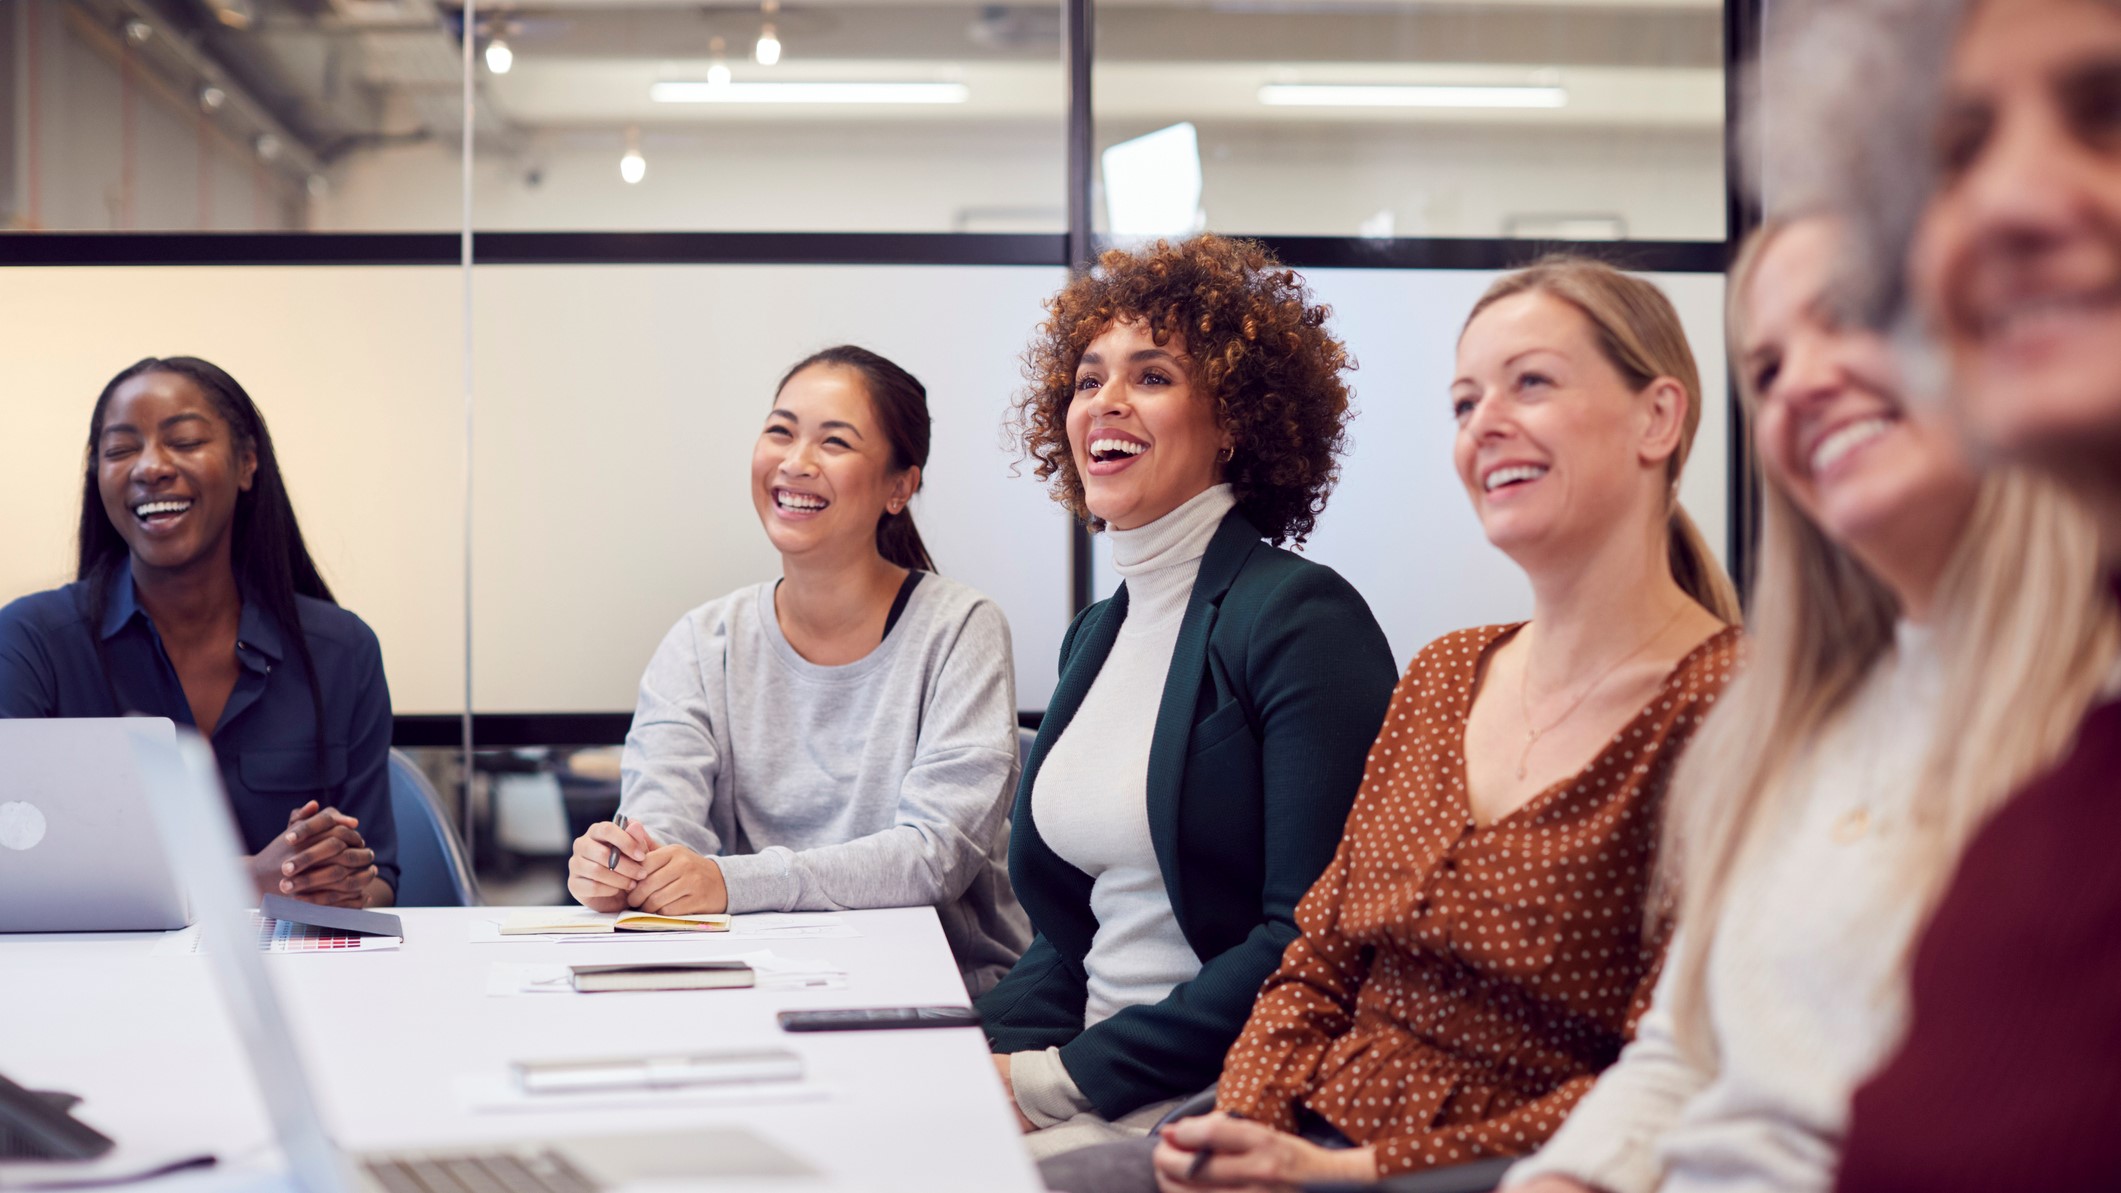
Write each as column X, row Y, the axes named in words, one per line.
column 768, row 51
column 632, row 166
column 718, row 71
column 499, row 58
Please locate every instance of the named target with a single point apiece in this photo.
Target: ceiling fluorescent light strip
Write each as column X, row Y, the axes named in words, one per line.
column 1381, row 95
column 690, row 92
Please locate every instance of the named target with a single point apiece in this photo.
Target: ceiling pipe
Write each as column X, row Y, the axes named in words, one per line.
column 296, row 155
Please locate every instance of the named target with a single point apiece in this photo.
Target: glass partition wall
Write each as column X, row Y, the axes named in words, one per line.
column 518, row 444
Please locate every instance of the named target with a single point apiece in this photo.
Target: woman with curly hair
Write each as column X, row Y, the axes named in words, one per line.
column 1479, row 947
column 1207, row 734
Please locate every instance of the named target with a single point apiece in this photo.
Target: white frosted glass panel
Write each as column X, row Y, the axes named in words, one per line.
column 356, row 371
column 1399, row 527
column 618, row 406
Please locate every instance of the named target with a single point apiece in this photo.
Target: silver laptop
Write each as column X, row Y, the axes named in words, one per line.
column 78, row 847
column 192, row 813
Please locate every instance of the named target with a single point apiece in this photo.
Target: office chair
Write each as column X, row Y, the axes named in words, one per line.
column 433, row 870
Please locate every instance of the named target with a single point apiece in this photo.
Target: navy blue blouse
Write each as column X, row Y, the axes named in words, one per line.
column 267, row 740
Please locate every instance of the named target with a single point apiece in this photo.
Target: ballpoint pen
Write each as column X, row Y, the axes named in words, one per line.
column 1206, row 1153
column 619, row 819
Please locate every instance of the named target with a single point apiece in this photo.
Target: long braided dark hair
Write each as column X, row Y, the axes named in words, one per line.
column 272, row 564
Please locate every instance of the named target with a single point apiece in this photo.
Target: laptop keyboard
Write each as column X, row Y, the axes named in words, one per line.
column 492, row 1172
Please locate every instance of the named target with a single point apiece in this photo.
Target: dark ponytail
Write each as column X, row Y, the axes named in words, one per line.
column 901, row 405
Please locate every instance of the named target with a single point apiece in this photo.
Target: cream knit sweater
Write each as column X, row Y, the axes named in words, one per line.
column 1805, row 982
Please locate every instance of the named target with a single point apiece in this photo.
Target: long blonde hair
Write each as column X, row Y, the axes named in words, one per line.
column 2024, row 637
column 1640, row 336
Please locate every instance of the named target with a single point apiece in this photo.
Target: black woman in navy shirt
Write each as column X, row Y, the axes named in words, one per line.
column 196, row 600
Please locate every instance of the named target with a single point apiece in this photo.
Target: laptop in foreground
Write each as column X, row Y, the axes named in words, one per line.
column 78, row 846
column 185, row 789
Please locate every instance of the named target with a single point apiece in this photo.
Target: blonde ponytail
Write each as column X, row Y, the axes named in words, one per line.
column 1696, row 570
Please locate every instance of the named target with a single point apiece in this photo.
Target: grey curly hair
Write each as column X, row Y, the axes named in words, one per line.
column 1846, row 94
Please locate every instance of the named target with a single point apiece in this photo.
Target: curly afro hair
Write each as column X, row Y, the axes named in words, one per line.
column 1253, row 342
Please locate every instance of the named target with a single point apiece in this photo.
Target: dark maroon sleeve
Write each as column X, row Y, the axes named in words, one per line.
column 2010, row 1077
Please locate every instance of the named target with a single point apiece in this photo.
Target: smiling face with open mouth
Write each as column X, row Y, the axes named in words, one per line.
column 170, row 472
column 821, row 475
column 1549, row 443
column 1833, row 432
column 1143, row 440
column 2018, row 261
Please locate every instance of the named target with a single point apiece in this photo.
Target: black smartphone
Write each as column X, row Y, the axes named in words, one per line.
column 878, row 1018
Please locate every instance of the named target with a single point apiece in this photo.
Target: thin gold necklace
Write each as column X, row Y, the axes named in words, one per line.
column 1524, row 693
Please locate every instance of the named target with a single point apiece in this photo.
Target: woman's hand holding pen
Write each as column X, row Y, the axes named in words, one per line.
column 594, row 879
column 1222, row 1151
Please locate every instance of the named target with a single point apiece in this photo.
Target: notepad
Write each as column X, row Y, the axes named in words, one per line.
column 557, row 922
column 676, row 975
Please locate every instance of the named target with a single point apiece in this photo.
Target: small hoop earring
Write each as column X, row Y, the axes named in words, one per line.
column 1227, row 454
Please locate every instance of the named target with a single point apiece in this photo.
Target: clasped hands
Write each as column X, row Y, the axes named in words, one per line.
column 321, row 858
column 667, row 879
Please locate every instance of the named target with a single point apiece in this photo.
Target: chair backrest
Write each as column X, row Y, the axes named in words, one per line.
column 433, row 870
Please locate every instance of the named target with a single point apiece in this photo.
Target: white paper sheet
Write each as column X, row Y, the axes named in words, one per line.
column 498, row 1093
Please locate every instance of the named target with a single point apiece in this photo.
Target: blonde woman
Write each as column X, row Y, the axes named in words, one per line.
column 1477, row 950
column 1923, row 639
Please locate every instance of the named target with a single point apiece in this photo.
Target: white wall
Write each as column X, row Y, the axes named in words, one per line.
column 809, row 179
column 618, row 407
column 616, row 410
column 1665, row 184
column 1399, row 526
column 1290, row 180
column 356, row 372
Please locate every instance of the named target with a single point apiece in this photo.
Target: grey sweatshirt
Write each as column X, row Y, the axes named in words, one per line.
column 882, row 783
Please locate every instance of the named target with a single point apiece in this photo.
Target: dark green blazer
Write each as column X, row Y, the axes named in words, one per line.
column 1278, row 685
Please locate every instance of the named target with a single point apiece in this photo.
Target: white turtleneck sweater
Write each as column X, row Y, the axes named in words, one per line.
column 1806, row 981
column 1090, row 799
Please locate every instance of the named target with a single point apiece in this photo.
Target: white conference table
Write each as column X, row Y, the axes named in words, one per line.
column 395, row 1041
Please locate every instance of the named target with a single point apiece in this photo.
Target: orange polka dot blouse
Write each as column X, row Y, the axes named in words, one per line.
column 1458, row 987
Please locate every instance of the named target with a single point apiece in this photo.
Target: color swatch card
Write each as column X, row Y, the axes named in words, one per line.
column 281, row 936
